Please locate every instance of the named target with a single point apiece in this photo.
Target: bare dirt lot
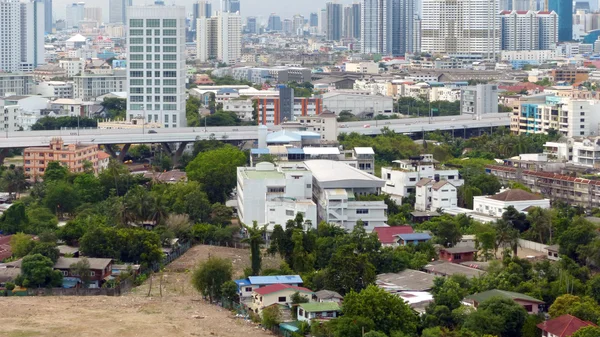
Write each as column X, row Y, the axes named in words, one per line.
column 179, row 312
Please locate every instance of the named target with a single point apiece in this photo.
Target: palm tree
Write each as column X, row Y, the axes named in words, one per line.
column 540, row 222
column 14, row 181
column 255, row 239
column 506, row 235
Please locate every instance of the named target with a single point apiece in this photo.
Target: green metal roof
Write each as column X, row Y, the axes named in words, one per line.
column 320, row 306
column 486, row 295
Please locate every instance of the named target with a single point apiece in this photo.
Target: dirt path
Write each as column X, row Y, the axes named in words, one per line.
column 179, row 312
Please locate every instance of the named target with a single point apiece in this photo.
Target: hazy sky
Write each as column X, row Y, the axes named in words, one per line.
column 260, row 8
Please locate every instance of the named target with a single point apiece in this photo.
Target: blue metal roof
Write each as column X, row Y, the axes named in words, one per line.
column 295, row 150
column 284, row 279
column 283, row 137
column 242, row 282
column 414, row 236
column 226, row 90
column 259, row 151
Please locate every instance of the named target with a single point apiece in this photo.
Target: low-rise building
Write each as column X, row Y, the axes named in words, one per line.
column 325, row 296
column 388, row 236
column 531, row 304
column 358, row 103
column 248, row 285
column 88, row 87
column 15, row 84
column 447, row 269
column 49, row 72
column 277, row 110
column 433, row 195
column 320, row 311
column 401, row 179
column 553, row 252
column 413, row 239
column 100, row 269
column 72, row 156
column 276, row 294
column 563, row 326
column 458, row 254
column 54, row 89
column 362, row 67
column 495, row 205
column 479, row 100
column 337, row 189
column 406, row 280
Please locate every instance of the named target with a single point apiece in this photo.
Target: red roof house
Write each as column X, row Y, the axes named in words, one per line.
column 276, row 294
column 279, row 287
column 562, row 326
column 388, row 235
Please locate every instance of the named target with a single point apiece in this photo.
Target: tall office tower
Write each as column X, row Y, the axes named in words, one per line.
column 75, row 13
column 10, row 35
column 348, row 23
column 32, row 35
column 117, row 11
column 298, row 24
column 314, row 19
column 93, row 13
column 200, row 9
column 156, row 90
column 47, row 15
column 323, row 22
column 334, row 21
column 251, row 26
column 467, row 27
column 225, row 5
column 374, row 27
column 548, row 34
column 274, row 23
column 357, row 22
column 520, row 30
column 564, row 9
column 207, row 45
column 505, row 5
column 416, row 38
column 229, row 37
column 288, row 26
column 234, row 6
column 401, row 18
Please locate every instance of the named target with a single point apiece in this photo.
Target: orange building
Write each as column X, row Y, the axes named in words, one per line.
column 272, row 111
column 36, row 159
column 570, row 74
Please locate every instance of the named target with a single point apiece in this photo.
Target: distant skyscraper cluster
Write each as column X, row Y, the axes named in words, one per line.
column 220, row 37
column 388, row 26
column 21, row 35
column 75, row 14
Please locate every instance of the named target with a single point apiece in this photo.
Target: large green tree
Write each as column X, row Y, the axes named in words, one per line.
column 255, row 239
column 216, row 170
column 210, row 276
column 349, row 271
column 498, row 316
column 37, row 271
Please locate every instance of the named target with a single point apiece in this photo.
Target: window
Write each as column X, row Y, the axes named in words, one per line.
column 582, row 120
column 136, row 73
column 170, row 65
column 134, row 23
column 169, row 40
column 456, row 257
column 169, row 74
column 148, row 49
column 170, row 82
column 156, row 82
column 582, row 113
column 136, row 65
column 275, row 189
column 169, row 23
column 169, row 106
column 389, row 176
column 156, row 65
column 157, row 40
column 169, row 90
column 136, row 99
column 170, row 99
column 365, row 223
column 281, row 299
column 170, row 57
column 170, row 32
column 362, row 211
column 528, row 307
column 136, row 82
column 136, row 40
column 166, row 118
column 169, row 49
column 174, row 119
column 136, row 32
column 156, row 90
column 412, row 179
column 148, row 40
column 300, row 312
column 136, row 90
column 137, row 49
column 152, row 22
column 92, row 273
column 289, row 212
column 248, row 289
column 156, row 49
column 137, row 57
column 308, row 185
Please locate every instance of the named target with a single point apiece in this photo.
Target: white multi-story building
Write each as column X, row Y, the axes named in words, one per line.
column 229, row 37
column 54, row 89
column 461, row 27
column 362, row 67
column 75, row 14
column 357, row 103
column 15, row 84
column 401, row 179
column 21, row 35
column 271, row 195
column 8, row 116
column 207, row 45
column 156, row 90
column 87, row 87
column 538, row 56
column 579, row 151
column 73, row 66
column 432, row 195
column 118, row 11
column 387, row 26
column 529, row 30
column 479, row 99
column 93, row 14
column 495, row 205
column 337, row 190
column 243, row 107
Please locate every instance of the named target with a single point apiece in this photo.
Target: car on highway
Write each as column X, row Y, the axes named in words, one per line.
column 343, row 125
column 366, row 126
column 152, row 131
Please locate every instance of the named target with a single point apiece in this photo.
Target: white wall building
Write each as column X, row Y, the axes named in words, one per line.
column 402, row 178
column 529, row 30
column 207, row 44
column 54, row 89
column 21, row 35
column 229, row 37
column 87, row 87
column 539, row 56
column 448, row 26
column 336, row 188
column 495, row 205
column 478, row 100
column 271, row 195
column 242, row 107
column 8, row 116
column 10, row 37
column 15, row 84
column 362, row 67
column 74, row 66
column 164, row 78
column 431, row 195
column 358, row 103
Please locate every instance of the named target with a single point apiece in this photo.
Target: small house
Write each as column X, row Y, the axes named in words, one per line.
column 531, row 304
column 444, row 268
column 458, row 254
column 413, row 238
column 248, row 285
column 563, row 326
column 388, row 236
column 319, row 311
column 553, row 252
column 327, row 296
column 406, row 280
column 276, row 294
column 100, row 270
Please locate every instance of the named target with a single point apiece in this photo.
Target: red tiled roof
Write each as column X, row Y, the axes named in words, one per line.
column 386, row 234
column 103, row 155
column 279, row 287
column 564, row 326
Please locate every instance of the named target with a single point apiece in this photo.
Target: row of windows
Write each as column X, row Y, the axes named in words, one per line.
column 135, row 90
column 155, row 107
column 156, row 49
column 156, row 57
column 140, row 32
column 140, row 40
column 156, row 74
column 149, row 82
column 153, row 23
column 169, row 99
column 157, row 65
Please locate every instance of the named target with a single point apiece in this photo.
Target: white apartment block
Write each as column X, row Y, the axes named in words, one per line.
column 206, row 38
column 87, row 87
column 229, row 37
column 337, row 189
column 358, row 103
column 15, row 84
column 362, row 67
column 324, row 124
column 465, row 27
column 579, row 151
column 539, row 56
column 243, row 107
column 156, row 71
column 262, row 189
column 448, row 94
column 73, row 66
column 21, row 35
column 54, row 89
column 529, row 30
column 432, row 195
column 8, row 118
column 479, row 99
column 401, row 179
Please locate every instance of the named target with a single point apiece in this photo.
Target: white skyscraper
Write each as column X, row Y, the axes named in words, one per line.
column 387, row 26
column 118, row 10
column 297, row 24
column 323, row 22
column 207, row 46
column 75, row 13
column 229, row 37
column 156, row 71
column 465, row 27
column 21, row 35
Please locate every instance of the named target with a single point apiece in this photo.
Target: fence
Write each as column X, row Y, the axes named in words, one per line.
column 536, row 246
column 228, row 244
column 122, row 288
column 175, row 253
